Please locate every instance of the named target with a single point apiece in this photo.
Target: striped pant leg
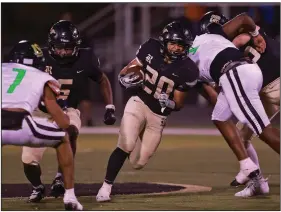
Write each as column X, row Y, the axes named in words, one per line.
column 241, row 87
column 43, row 133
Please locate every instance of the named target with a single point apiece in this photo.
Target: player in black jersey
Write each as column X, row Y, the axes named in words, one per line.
column 168, row 74
column 269, row 63
column 71, row 66
column 272, row 75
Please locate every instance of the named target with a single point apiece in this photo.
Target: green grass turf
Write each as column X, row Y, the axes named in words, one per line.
column 197, row 160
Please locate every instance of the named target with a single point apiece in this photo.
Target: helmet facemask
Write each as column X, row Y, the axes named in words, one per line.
column 64, row 42
column 176, row 41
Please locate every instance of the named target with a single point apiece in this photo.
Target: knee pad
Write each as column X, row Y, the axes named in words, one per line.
column 74, row 117
column 32, row 156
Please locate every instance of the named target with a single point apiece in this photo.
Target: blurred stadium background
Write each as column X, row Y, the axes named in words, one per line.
column 115, row 32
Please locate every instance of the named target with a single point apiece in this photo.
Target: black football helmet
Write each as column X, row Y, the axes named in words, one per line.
column 175, row 32
column 64, row 35
column 27, row 53
column 209, row 18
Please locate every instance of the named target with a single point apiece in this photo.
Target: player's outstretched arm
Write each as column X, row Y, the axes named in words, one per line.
column 241, row 22
column 135, row 62
column 106, row 90
column 54, row 109
column 244, row 23
column 242, row 39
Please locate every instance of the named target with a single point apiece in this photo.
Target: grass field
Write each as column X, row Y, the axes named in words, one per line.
column 196, row 160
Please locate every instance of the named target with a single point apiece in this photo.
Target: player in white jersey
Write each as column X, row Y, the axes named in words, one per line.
column 24, row 85
column 270, row 93
column 221, row 62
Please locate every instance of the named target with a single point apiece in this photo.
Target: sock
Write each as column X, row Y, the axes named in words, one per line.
column 253, row 154
column 248, row 165
column 69, row 193
column 115, row 163
column 33, row 174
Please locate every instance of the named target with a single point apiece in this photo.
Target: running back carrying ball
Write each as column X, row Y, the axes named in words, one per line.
column 133, row 77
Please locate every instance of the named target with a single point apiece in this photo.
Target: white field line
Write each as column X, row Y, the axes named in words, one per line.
column 167, row 131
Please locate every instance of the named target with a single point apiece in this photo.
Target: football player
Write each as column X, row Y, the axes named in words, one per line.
column 168, row 74
column 23, row 87
column 221, row 62
column 270, row 92
column 71, row 66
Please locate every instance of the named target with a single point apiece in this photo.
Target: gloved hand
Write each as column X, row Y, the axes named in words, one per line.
column 166, row 102
column 163, row 99
column 109, row 117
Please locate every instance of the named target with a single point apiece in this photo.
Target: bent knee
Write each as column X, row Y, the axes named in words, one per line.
column 127, row 144
column 32, row 155
column 137, row 165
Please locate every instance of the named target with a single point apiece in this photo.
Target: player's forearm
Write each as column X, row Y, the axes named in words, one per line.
column 242, row 21
column 54, row 109
column 241, row 40
column 208, row 92
column 106, row 90
column 179, row 98
column 133, row 62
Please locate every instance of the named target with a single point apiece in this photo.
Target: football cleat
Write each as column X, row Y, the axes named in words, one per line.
column 57, row 187
column 37, row 194
column 72, row 204
column 256, row 186
column 104, row 193
column 235, row 183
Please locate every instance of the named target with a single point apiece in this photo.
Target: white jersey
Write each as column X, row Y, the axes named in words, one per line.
column 204, row 50
column 22, row 86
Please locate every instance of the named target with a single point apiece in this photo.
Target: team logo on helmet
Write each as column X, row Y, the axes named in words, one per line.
column 215, row 19
column 37, row 50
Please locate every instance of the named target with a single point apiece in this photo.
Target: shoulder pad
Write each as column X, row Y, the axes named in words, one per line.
column 151, row 46
column 89, row 55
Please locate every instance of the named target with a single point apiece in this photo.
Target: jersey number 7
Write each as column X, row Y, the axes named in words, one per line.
column 17, row 81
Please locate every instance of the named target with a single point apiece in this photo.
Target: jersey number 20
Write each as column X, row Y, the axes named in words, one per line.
column 159, row 87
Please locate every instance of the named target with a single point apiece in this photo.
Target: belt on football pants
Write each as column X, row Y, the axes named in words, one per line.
column 231, row 65
column 12, row 120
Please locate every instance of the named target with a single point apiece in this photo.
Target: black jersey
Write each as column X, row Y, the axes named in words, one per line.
column 269, row 61
column 160, row 76
column 73, row 76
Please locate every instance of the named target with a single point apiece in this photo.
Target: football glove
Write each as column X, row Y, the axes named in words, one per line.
column 109, row 117
column 165, row 102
